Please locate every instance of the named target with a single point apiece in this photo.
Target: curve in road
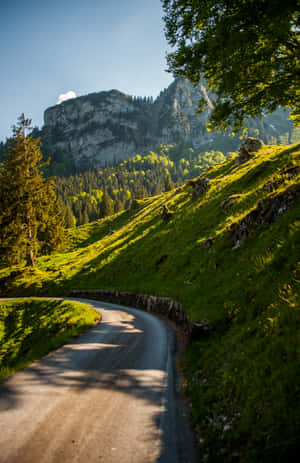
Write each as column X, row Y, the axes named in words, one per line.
column 108, row 397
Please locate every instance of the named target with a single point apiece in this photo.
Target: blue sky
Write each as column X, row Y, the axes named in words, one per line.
column 51, row 47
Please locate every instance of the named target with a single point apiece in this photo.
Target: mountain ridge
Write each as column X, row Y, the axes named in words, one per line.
column 108, row 126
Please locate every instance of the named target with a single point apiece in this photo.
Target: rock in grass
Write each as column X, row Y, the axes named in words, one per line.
column 199, row 186
column 250, row 146
column 199, row 329
column 208, row 242
column 166, row 214
column 272, row 185
column 266, row 212
column 230, row 201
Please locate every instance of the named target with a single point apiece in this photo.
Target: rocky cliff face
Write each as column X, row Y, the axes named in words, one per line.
column 108, row 126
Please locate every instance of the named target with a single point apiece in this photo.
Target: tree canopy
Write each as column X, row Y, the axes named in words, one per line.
column 247, row 51
column 30, row 217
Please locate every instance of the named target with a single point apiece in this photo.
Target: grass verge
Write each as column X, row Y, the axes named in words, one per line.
column 30, row 328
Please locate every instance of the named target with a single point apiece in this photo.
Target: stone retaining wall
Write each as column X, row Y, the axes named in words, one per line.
column 161, row 305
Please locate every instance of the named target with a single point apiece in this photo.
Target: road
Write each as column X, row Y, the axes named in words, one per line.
column 107, row 397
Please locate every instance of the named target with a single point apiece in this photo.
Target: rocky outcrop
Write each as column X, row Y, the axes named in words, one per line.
column 275, row 183
column 199, row 186
column 108, row 126
column 166, row 214
column 266, row 212
column 292, row 172
column 230, row 200
column 272, row 185
column 164, row 306
column 248, row 147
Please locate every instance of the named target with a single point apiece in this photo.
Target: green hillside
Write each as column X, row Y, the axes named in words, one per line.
column 230, row 256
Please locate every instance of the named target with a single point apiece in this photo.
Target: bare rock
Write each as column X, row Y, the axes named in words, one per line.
column 272, row 185
column 252, row 145
column 199, row 186
column 292, row 171
column 230, row 201
column 200, row 329
column 166, row 214
column 209, row 242
column 248, row 147
column 266, row 212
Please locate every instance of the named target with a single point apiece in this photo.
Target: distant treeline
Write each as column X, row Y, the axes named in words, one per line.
column 90, row 194
column 94, row 194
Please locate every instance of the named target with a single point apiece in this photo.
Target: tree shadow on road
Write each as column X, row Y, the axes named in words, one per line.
column 120, row 357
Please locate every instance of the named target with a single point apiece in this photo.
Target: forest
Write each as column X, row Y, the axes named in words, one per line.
column 94, row 194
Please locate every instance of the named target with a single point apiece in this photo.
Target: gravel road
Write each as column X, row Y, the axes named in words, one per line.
column 108, row 397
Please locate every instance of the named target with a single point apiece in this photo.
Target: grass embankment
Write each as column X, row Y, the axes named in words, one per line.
column 243, row 378
column 30, row 328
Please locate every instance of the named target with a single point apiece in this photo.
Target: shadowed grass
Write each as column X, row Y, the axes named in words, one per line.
column 30, row 328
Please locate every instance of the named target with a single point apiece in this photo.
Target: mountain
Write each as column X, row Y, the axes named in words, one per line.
column 104, row 127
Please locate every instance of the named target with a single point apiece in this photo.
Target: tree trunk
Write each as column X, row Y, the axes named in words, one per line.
column 30, row 258
column 30, row 255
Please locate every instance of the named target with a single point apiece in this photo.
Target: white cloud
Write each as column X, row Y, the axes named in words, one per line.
column 66, row 96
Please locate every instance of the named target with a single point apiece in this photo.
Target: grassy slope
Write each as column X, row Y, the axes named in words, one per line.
column 30, row 328
column 243, row 378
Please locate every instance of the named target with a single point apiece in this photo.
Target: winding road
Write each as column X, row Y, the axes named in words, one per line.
column 107, row 397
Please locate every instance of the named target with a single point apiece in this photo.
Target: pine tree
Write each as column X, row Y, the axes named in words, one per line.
column 107, row 205
column 30, row 219
column 85, row 216
column 139, row 191
column 118, row 206
column 169, row 185
column 70, row 220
